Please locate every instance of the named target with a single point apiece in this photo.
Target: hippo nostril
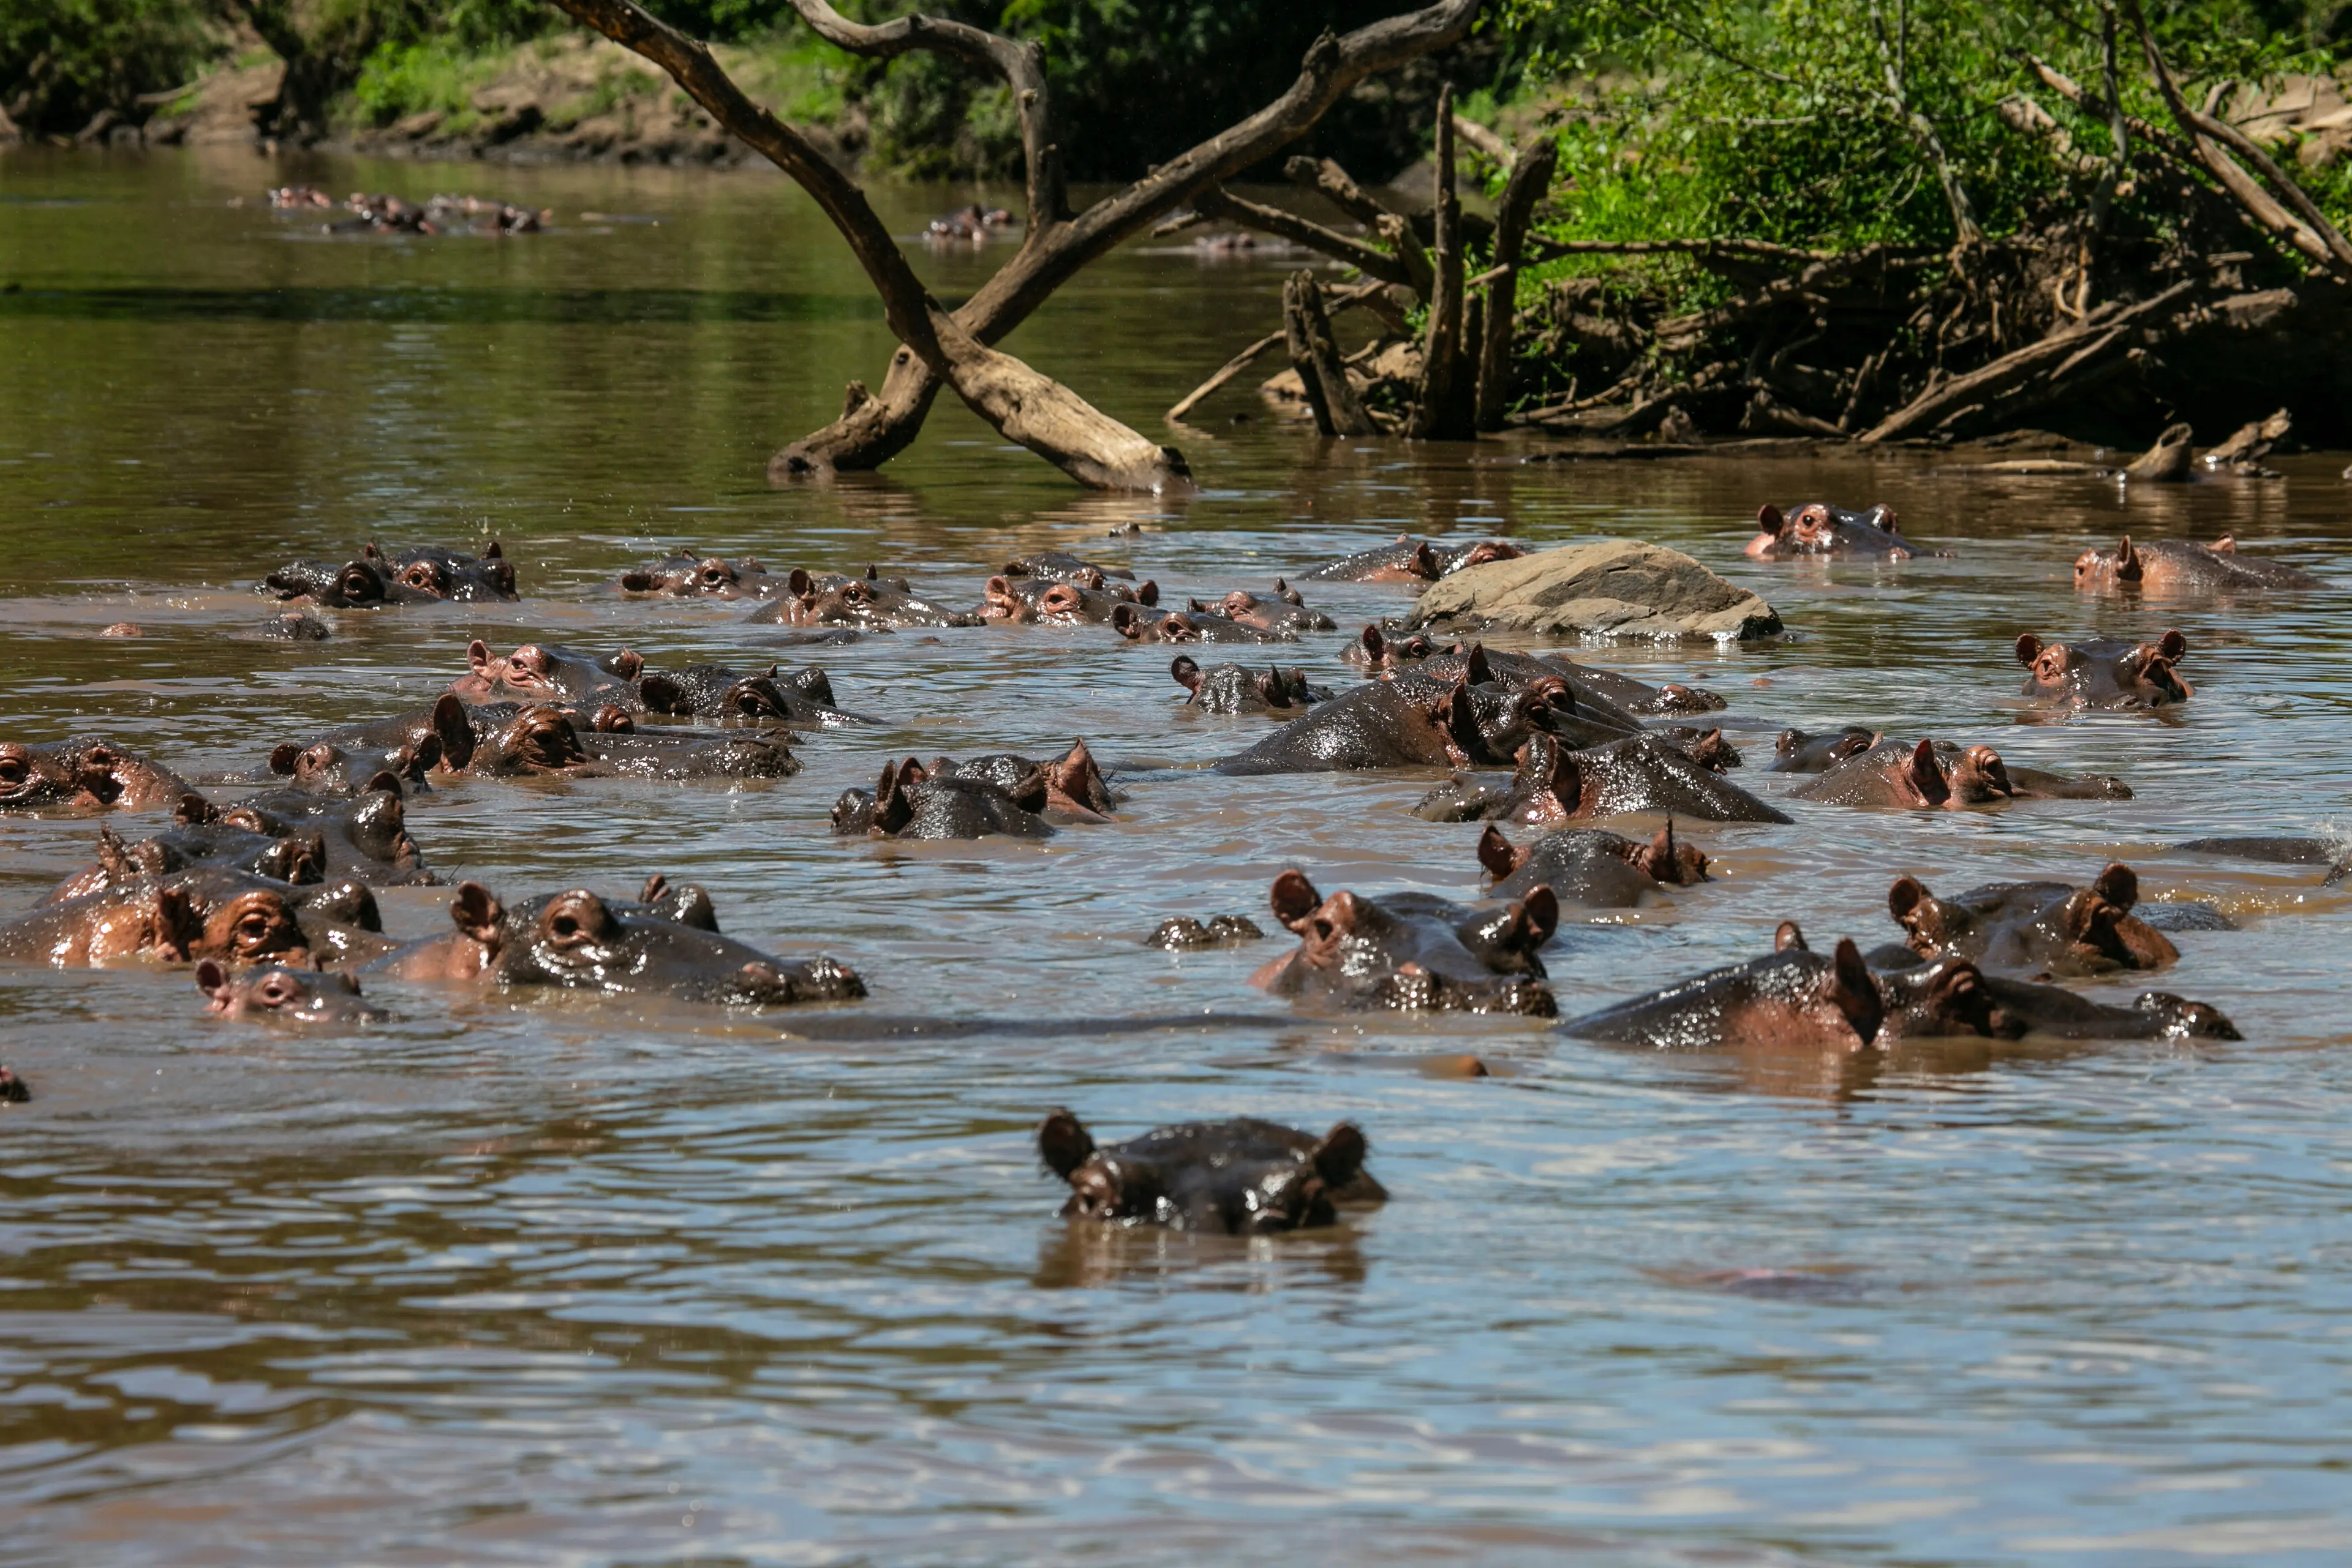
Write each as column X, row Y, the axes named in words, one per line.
column 565, row 926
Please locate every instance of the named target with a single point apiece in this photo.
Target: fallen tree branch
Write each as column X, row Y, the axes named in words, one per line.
column 1241, row 361
column 1485, row 140
column 1531, row 178
column 1444, row 409
column 1685, row 332
column 1315, row 357
column 1217, row 202
column 1395, row 230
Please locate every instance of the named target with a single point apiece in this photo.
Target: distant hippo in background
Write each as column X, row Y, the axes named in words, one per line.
column 1815, row 529
column 1411, row 560
column 872, row 602
column 2178, row 569
column 85, row 776
column 545, row 672
column 1589, row 866
column 1411, row 952
column 2333, row 854
column 2105, row 672
column 1936, row 775
column 1611, row 693
column 276, row 995
column 1241, row 1177
column 1076, row 790
column 576, row 941
column 1230, row 688
column 2047, row 926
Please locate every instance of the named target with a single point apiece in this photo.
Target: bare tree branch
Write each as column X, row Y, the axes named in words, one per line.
column 1492, row 147
column 1220, row 203
column 1395, row 229
column 1532, row 174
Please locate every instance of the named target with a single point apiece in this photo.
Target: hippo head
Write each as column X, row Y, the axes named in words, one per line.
column 353, row 585
column 425, row 574
column 541, row 669
column 1946, row 997
column 1837, row 997
column 276, row 995
column 2102, row 673
column 328, row 769
column 1002, row 600
column 1242, row 1177
column 1356, row 953
column 2177, row 1018
column 234, row 926
column 1374, row 648
column 32, row 777
column 1075, row 784
column 1667, row 860
column 539, row 740
column 2116, row 568
column 576, row 941
column 1479, row 554
column 872, row 600
column 2098, row 930
column 684, row 574
column 1924, row 778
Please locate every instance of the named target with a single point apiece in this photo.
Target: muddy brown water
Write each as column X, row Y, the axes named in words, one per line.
column 556, row 1280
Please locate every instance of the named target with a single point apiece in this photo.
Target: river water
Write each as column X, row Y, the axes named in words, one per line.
column 558, row 1281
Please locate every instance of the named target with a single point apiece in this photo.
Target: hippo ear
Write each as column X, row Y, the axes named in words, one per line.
column 1293, row 897
column 478, row 656
column 1856, row 991
column 475, row 912
column 1925, row 771
column 1497, row 854
column 1768, row 519
column 213, row 980
column 177, row 927
column 2119, row 885
column 1127, row 620
column 1908, row 894
column 1186, row 671
column 417, row 760
column 1064, row 1142
column 1374, row 645
column 628, row 664
column 1270, row 687
column 1288, row 595
column 663, row 695
column 2172, row 645
column 383, row 779
column 2225, row 545
column 114, row 856
column 492, row 552
column 1790, row 935
column 282, row 756
column 1147, row 592
column 194, row 809
column 1424, row 562
column 1033, row 789
column 2127, row 562
column 1197, row 607
column 1474, row 667
column 1539, row 914
column 799, row 584
column 1339, row 1157
column 2029, row 648
column 454, row 730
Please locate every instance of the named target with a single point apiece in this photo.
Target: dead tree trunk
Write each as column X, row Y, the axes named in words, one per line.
column 951, row 348
column 1443, row 412
column 1531, row 178
column 1315, row 355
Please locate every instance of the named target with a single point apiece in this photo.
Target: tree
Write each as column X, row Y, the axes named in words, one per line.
column 952, row 348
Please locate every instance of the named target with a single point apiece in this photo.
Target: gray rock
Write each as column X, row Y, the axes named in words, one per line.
column 1616, row 588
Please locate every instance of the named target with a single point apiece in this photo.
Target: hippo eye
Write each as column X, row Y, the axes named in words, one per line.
column 254, row 925
column 275, row 992
column 424, row 575
column 12, row 770
column 857, row 594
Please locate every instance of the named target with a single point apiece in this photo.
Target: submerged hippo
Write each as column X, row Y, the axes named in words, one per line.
column 683, row 575
column 1936, row 775
column 802, row 698
column 1640, row 774
column 364, row 834
column 2048, row 926
column 326, row 768
column 420, row 575
column 1061, row 566
column 1285, row 611
column 1028, row 600
column 872, row 602
column 294, row 859
column 1602, row 692
column 1815, row 529
column 2333, row 853
column 1589, row 866
column 1243, row 1178
column 1076, row 790
column 2177, row 569
column 550, row 672
column 1230, row 688
column 84, row 776
column 206, row 912
column 1415, row 722
column 276, row 995
column 1411, row 952
column 1138, row 624
column 1798, row 753
column 1411, row 560
column 2105, row 672
column 578, row 941
column 908, row 803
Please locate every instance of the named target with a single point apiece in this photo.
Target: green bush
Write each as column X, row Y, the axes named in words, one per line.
column 63, row 61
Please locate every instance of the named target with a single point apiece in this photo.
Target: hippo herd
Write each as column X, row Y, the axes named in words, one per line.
column 264, row 882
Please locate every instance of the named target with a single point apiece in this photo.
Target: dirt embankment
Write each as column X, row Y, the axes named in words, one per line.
column 567, row 99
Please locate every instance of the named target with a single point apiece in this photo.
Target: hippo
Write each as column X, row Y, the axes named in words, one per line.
column 1798, row 753
column 2105, row 672
column 419, row 574
column 294, row 626
column 364, row 834
column 1381, row 651
column 1602, row 692
column 974, row 224
column 547, row 673
column 1589, row 866
column 1815, row 529
column 2333, row 854
column 85, row 776
column 1794, row 999
column 294, row 859
column 1637, row 775
column 508, row 740
column 626, row 750
column 1026, row 600
column 1061, row 566
column 205, row 911
column 276, row 995
column 1138, row 624
column 1243, row 1176
column 1952, row 996
column 1411, row 952
column 1076, row 790
column 1230, row 688
column 2177, row 569
column 872, row 602
column 1286, row 611
column 1182, row 934
column 577, row 941
column 801, row 698
column 1411, row 560
column 13, row 1089
column 683, row 575
column 326, row 768
column 1407, row 722
column 908, row 803
column 2048, row 926
column 1936, row 775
